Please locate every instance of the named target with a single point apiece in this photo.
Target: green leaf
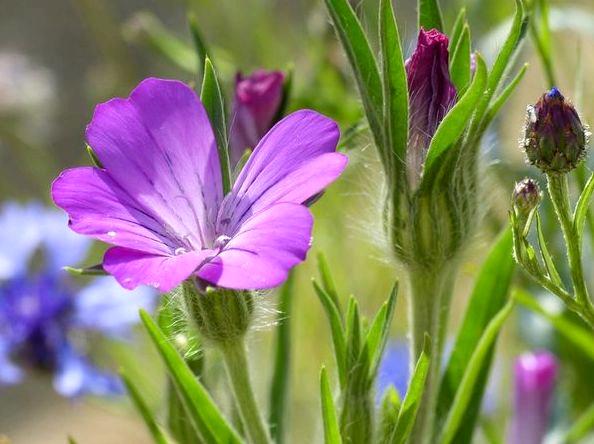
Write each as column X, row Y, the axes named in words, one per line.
column 546, row 256
column 395, row 86
column 199, row 44
column 452, row 126
column 430, row 15
column 576, row 334
column 328, row 282
column 457, row 29
column 389, row 409
column 212, row 99
column 582, row 427
column 331, row 427
column 337, row 331
column 94, row 159
column 414, row 395
column 363, row 63
column 93, row 270
column 144, row 410
column 505, row 94
column 282, row 361
column 202, row 411
column 474, row 368
column 460, row 65
column 582, row 207
column 377, row 335
column 71, row 440
column 489, row 295
column 353, row 334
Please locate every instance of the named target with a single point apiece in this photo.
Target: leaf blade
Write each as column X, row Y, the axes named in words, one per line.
column 331, row 426
column 430, row 15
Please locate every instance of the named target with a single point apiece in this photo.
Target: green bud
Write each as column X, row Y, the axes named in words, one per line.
column 555, row 138
column 526, row 197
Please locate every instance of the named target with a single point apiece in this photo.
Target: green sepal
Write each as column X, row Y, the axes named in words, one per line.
column 93, row 270
column 460, row 64
column 456, row 32
column 430, row 15
column 94, row 159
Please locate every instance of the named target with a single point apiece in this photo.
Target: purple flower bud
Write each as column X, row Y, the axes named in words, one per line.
column 535, row 375
column 256, row 104
column 526, row 196
column 555, row 138
column 431, row 95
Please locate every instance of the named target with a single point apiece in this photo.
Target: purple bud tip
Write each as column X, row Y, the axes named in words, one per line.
column 526, row 196
column 536, row 372
column 554, row 93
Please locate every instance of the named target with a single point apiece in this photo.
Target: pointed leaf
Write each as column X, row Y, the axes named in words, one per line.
column 93, row 270
column 546, row 256
column 457, row 29
column 377, row 335
column 201, row 409
column 331, row 427
column 389, row 409
column 353, row 333
column 337, row 331
column 460, row 65
column 213, row 101
column 582, row 208
column 474, row 368
column 328, row 282
column 414, row 395
column 363, row 63
column 430, row 15
column 505, row 94
column 199, row 45
column 144, row 410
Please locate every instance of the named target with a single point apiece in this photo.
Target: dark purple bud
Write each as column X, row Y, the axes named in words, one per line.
column 256, row 104
column 526, row 196
column 534, row 375
column 555, row 138
column 431, row 95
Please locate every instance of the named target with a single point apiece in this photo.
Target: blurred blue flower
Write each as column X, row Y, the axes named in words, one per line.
column 394, row 368
column 45, row 320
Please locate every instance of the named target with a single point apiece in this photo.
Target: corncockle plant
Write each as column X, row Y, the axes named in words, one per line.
column 427, row 115
column 555, row 141
column 162, row 196
column 535, row 376
column 44, row 319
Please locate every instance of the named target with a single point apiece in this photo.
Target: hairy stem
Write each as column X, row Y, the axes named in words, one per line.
column 236, row 364
column 430, row 295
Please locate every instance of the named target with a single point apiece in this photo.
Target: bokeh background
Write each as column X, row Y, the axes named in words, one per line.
column 58, row 58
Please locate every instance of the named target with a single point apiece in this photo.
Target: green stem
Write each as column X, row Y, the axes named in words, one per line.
column 559, row 192
column 236, row 364
column 430, row 295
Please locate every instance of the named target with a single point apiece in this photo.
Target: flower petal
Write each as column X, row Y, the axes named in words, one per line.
column 158, row 146
column 132, row 268
column 100, row 208
column 292, row 163
column 261, row 254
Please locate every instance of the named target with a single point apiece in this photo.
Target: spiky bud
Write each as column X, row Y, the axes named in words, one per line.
column 555, row 138
column 526, row 196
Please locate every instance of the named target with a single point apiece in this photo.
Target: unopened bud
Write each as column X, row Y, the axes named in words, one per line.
column 555, row 138
column 526, row 196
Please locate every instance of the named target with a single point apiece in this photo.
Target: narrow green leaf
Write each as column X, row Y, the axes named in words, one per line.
column 213, row 101
column 331, row 427
column 505, row 94
column 452, row 126
column 582, row 427
column 199, row 45
column 178, row 423
column 414, row 394
column 430, row 15
column 489, row 295
column 93, row 270
column 457, row 29
column 581, row 209
column 546, row 256
column 395, row 85
column 362, row 62
column 94, row 159
column 337, row 331
column 282, row 362
column 144, row 410
column 328, row 282
column 472, row 373
column 377, row 335
column 353, row 333
column 201, row 409
column 460, row 65
column 579, row 336
column 389, row 409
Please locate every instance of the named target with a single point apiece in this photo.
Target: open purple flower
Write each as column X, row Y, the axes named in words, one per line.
column 258, row 98
column 431, row 95
column 159, row 198
column 535, row 375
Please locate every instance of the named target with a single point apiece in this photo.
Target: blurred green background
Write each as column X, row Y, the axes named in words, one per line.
column 58, row 58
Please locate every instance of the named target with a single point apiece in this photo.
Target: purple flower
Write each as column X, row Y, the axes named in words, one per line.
column 44, row 319
column 160, row 201
column 431, row 95
column 256, row 104
column 394, row 369
column 535, row 375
